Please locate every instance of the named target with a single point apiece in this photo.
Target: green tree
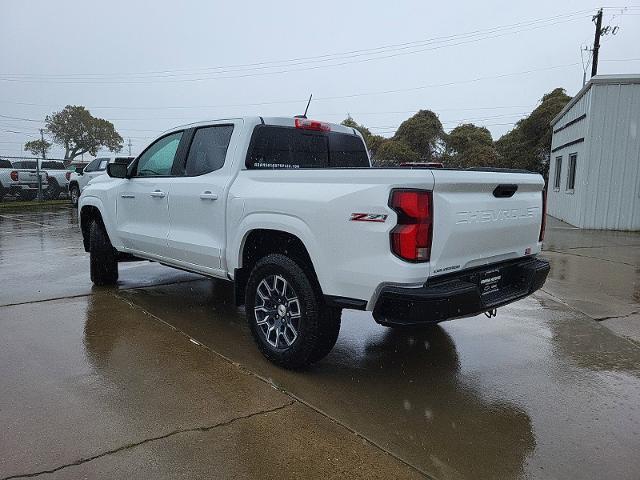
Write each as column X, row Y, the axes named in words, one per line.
column 528, row 144
column 350, row 122
column 372, row 141
column 35, row 147
column 394, row 152
column 75, row 129
column 470, row 146
column 423, row 133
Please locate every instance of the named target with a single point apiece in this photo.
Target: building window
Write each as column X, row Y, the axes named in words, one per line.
column 556, row 178
column 571, row 176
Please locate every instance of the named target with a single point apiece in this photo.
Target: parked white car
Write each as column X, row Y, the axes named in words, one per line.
column 291, row 210
column 81, row 177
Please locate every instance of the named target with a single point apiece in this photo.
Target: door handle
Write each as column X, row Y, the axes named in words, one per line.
column 127, row 195
column 158, row 193
column 208, row 195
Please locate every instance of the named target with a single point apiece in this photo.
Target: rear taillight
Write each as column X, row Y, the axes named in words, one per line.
column 67, row 175
column 305, row 124
column 543, row 224
column 14, row 176
column 411, row 237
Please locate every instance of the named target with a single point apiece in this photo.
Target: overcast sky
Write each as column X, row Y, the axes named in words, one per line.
column 160, row 63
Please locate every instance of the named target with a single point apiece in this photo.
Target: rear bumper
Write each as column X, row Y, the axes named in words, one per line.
column 30, row 186
column 459, row 295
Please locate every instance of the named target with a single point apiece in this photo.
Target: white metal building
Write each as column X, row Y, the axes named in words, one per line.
column 594, row 172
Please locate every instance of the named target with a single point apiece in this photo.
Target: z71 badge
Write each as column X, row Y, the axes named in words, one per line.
column 368, row 217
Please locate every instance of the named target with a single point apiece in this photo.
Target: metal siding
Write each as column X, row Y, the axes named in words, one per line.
column 614, row 153
column 561, row 204
column 607, row 186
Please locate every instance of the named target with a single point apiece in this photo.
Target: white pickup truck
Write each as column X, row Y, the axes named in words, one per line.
column 292, row 212
column 53, row 170
column 21, row 180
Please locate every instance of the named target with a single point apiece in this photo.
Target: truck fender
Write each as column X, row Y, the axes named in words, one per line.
column 274, row 221
column 108, row 221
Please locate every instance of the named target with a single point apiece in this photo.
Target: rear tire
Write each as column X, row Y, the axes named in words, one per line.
column 287, row 315
column 74, row 194
column 331, row 319
column 53, row 190
column 103, row 257
column 3, row 192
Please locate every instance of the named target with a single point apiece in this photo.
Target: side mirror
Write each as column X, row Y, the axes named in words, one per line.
column 80, row 170
column 117, row 170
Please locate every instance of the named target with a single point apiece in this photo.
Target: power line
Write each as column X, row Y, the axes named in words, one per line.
column 98, row 81
column 281, row 102
column 318, row 58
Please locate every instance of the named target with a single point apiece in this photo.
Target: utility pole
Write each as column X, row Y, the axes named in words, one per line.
column 38, row 166
column 596, row 42
column 129, row 145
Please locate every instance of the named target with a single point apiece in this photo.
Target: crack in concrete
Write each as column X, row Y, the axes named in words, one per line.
column 79, row 295
column 129, row 446
column 589, row 256
column 600, row 319
column 595, row 319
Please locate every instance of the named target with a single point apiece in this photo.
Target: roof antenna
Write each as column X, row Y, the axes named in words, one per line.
column 304, row 115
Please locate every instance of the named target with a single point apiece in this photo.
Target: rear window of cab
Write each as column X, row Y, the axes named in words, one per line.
column 276, row 147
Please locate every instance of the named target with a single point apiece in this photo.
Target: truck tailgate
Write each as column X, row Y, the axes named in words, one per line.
column 483, row 218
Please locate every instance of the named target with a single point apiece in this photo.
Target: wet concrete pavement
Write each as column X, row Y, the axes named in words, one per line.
column 159, row 378
column 596, row 273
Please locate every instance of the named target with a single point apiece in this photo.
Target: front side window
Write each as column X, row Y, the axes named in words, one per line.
column 93, row 165
column 208, row 149
column 157, row 160
column 103, row 165
column 571, row 177
column 558, row 173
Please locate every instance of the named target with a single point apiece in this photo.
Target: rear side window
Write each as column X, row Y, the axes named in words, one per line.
column 5, row 163
column 126, row 160
column 288, row 147
column 347, row 151
column 208, row 149
column 53, row 165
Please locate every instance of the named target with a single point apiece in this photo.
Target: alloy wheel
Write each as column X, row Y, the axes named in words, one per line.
column 277, row 311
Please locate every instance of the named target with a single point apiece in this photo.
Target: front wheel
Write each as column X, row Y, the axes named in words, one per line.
column 103, row 257
column 287, row 315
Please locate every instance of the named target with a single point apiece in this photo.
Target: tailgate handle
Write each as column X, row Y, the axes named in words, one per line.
column 505, row 190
